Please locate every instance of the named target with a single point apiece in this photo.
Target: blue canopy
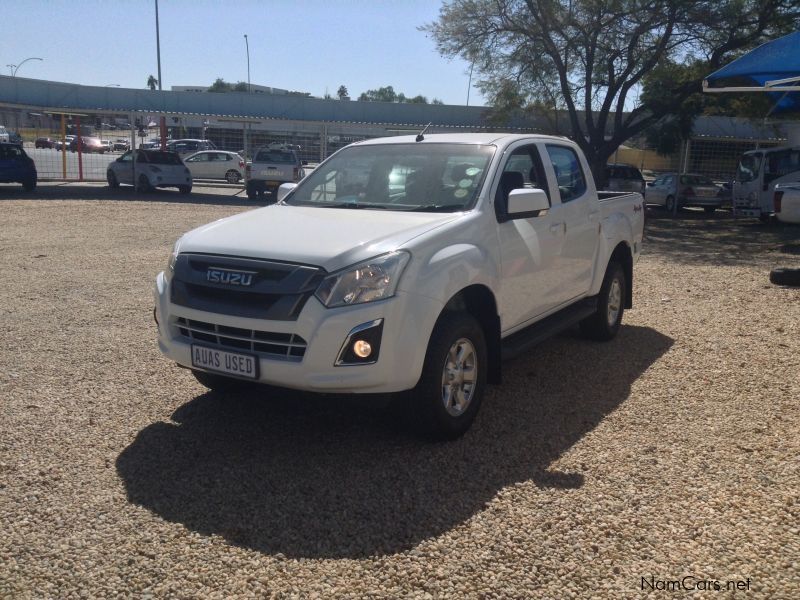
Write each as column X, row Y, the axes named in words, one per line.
column 765, row 69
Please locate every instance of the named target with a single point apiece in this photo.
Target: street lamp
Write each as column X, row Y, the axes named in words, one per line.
column 15, row 68
column 247, row 45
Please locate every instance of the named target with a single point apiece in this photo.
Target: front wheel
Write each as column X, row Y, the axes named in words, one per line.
column 113, row 182
column 29, row 185
column 710, row 209
column 184, row 189
column 233, row 176
column 604, row 324
column 449, row 392
column 670, row 204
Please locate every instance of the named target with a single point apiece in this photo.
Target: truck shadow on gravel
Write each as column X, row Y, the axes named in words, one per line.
column 324, row 477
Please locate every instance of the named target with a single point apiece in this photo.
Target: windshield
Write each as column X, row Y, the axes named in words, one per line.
column 411, row 177
column 748, row 168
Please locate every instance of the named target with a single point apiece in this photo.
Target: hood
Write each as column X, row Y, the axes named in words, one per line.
column 331, row 238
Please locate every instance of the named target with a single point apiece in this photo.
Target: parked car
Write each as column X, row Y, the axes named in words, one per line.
column 187, row 147
column 271, row 167
column 4, row 135
column 88, row 145
column 15, row 138
column 624, row 178
column 216, row 164
column 405, row 265
column 152, row 169
column 787, row 202
column 44, row 142
column 107, row 144
column 16, row 166
column 688, row 190
column 120, row 145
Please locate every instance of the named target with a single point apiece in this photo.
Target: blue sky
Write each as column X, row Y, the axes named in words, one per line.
column 305, row 45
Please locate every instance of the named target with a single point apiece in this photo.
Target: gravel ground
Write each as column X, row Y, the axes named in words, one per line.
column 595, row 470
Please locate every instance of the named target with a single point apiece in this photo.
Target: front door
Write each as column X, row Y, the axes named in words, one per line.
column 124, row 169
column 529, row 247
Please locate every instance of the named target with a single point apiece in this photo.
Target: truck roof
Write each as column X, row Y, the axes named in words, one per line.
column 463, row 138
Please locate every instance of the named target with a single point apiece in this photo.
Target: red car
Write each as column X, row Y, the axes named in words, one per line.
column 44, row 142
column 88, row 144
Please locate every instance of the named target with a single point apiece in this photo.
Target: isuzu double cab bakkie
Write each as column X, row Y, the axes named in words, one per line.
column 404, row 265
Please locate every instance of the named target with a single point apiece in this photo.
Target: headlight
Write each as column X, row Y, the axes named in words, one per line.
column 171, row 263
column 375, row 279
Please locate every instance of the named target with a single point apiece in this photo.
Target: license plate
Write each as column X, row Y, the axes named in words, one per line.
column 270, row 172
column 222, row 361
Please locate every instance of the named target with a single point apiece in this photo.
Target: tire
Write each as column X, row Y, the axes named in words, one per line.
column 29, row 185
column 785, row 276
column 233, row 176
column 604, row 324
column 710, row 209
column 143, row 184
column 252, row 193
column 448, row 395
column 112, row 180
column 669, row 204
column 217, row 383
column 184, row 189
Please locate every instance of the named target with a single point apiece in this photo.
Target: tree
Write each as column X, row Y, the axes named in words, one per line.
column 342, row 92
column 220, row 86
column 241, row 86
column 590, row 58
column 387, row 94
column 152, row 82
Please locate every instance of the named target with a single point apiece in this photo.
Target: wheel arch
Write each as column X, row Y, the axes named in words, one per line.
column 622, row 254
column 478, row 301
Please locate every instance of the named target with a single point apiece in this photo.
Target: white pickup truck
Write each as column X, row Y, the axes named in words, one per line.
column 404, row 264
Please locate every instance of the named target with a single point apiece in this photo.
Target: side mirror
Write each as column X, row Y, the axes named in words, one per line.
column 525, row 203
column 304, row 163
column 649, row 184
column 284, row 190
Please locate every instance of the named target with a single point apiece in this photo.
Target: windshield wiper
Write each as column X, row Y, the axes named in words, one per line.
column 437, row 208
column 352, row 205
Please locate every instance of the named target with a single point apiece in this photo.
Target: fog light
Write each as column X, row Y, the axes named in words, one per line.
column 362, row 349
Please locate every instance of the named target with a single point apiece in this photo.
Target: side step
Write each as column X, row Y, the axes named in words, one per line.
column 524, row 340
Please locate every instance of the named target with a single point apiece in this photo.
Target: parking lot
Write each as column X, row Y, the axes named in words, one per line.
column 670, row 452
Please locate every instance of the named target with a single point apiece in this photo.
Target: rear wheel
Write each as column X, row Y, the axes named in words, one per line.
column 233, row 176
column 710, row 209
column 29, row 185
column 604, row 324
column 112, row 179
column 670, row 204
column 449, row 392
column 252, row 193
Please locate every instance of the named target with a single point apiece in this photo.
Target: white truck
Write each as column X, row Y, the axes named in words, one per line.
column 758, row 173
column 404, row 264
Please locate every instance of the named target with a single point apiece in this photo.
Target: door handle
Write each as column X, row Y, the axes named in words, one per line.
column 556, row 227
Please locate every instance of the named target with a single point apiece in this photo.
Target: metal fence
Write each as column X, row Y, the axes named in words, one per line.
column 45, row 132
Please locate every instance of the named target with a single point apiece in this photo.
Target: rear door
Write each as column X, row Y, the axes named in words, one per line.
column 579, row 214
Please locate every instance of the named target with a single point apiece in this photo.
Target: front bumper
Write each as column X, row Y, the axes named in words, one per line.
column 407, row 324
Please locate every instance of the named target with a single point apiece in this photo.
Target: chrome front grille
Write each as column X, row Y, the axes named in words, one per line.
column 286, row 346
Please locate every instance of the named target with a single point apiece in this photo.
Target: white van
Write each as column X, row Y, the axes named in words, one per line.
column 758, row 173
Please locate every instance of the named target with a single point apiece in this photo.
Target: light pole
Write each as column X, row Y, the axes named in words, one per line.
column 247, row 46
column 469, row 85
column 15, row 68
column 158, row 49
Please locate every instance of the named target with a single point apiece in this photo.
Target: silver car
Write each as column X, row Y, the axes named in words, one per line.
column 216, row 164
column 688, row 190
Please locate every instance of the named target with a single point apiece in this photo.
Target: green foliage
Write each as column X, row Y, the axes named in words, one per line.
column 588, row 59
column 387, row 94
column 220, row 86
column 342, row 92
column 152, row 82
